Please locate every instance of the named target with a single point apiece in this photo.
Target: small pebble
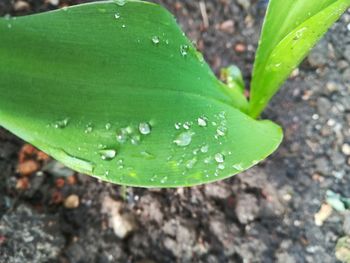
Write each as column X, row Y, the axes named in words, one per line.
column 240, row 48
column 27, row 168
column 71, row 202
column 54, row 2
column 346, row 149
column 22, row 183
column 323, row 214
column 227, row 26
column 21, row 6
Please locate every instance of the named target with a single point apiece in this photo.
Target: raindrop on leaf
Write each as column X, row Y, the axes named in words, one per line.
column 221, row 131
column 144, row 128
column 204, row 148
column 178, row 126
column 155, row 40
column 89, row 128
column 135, row 140
column 108, row 154
column 219, row 158
column 61, row 124
column 191, row 163
column 238, row 167
column 184, row 50
column 184, row 139
column 202, row 121
column 186, row 125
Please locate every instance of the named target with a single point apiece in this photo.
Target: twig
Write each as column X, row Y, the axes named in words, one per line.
column 204, row 13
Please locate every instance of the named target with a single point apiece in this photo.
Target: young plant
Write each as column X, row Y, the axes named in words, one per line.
column 115, row 90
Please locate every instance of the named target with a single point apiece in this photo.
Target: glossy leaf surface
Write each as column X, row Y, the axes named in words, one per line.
column 291, row 29
column 118, row 92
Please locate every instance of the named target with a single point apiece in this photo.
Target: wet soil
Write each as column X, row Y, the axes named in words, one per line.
column 263, row 215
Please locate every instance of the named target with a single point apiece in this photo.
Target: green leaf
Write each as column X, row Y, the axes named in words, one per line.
column 291, row 29
column 233, row 77
column 103, row 88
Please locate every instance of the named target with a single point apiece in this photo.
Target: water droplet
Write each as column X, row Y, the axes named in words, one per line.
column 219, row 158
column 191, row 163
column 120, row 163
column 155, row 40
column 108, row 126
column 207, row 160
column 184, row 50
column 299, row 34
column 117, row 15
column 144, row 128
column 121, row 137
column 187, row 125
column 202, row 121
column 184, row 139
column 153, row 178
column 89, row 128
column 178, row 126
column 128, row 130
column 204, row 148
column 120, row 2
column 221, row 131
column 123, row 26
column 163, row 180
column 238, row 167
column 221, row 166
column 135, row 140
column 108, row 154
column 101, row 146
column 61, row 124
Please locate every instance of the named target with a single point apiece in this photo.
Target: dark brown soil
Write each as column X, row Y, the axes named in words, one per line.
column 263, row 215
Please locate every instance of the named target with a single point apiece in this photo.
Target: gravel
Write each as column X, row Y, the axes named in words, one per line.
column 263, row 215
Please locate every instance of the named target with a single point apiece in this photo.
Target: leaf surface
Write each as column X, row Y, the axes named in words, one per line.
column 118, row 92
column 291, row 29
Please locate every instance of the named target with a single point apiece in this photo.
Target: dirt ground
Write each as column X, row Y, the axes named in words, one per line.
column 264, row 215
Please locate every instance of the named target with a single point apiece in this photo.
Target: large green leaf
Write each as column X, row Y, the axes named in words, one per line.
column 291, row 29
column 118, row 92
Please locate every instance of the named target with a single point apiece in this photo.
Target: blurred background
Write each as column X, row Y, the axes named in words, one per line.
column 292, row 208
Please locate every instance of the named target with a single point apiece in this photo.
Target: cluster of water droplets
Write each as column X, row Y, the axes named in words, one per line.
column 184, row 138
column 60, row 124
column 133, row 134
column 186, row 157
